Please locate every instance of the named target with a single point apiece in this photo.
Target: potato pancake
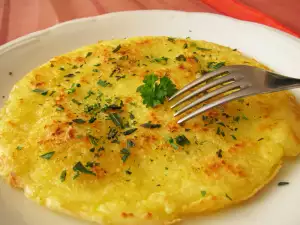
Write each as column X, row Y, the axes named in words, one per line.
column 91, row 134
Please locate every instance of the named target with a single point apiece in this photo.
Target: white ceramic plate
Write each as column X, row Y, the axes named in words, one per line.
column 272, row 206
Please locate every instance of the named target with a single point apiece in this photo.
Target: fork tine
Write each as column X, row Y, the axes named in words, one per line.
column 201, row 80
column 230, row 77
column 228, row 98
column 214, row 93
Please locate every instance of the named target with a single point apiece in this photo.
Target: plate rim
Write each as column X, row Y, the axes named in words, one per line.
column 28, row 37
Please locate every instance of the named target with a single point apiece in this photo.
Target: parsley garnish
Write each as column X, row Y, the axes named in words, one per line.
column 78, row 167
column 79, row 121
column 63, row 175
column 92, row 120
column 214, row 65
column 181, row 58
column 47, row 155
column 70, row 75
column 73, row 88
column 260, row 139
column 185, row 45
column 282, row 183
column 90, row 93
column 150, row 125
column 203, row 193
column 220, row 153
column 171, row 39
column 112, row 133
column 203, row 49
column 233, row 137
column 171, row 141
column 94, row 141
column 103, row 83
column 98, row 64
column 227, row 196
column 117, row 49
column 19, row 147
column 42, row 92
column 125, row 154
column 154, row 93
column 91, row 164
column 182, row 140
column 124, row 57
column 130, row 131
column 76, row 102
column 130, row 144
column 88, row 54
column 60, row 108
column 116, row 119
column 163, row 60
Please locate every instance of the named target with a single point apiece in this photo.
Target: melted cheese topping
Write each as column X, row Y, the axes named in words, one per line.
column 60, row 145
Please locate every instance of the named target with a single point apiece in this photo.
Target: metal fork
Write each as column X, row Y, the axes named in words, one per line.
column 234, row 82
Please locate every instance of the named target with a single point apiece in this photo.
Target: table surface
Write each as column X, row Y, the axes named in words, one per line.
column 20, row 17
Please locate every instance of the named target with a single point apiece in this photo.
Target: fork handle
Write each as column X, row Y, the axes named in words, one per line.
column 276, row 82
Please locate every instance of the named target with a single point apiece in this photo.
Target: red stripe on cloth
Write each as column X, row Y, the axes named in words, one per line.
column 240, row 11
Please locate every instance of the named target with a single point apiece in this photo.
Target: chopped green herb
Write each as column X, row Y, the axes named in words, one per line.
column 153, row 93
column 60, row 108
column 62, row 69
column 282, row 183
column 130, row 131
column 92, row 150
column 95, row 70
column 236, row 119
column 73, row 88
column 171, row 39
column 117, row 49
column 130, row 144
column 90, row 93
column 181, row 58
column 93, row 140
column 52, row 92
column 112, row 133
column 227, row 196
column 233, row 137
column 124, row 57
column 92, row 120
column 163, row 60
column 70, row 75
column 98, row 64
column 203, row 49
column 214, row 65
column 103, row 83
column 88, row 54
column 203, row 193
column 75, row 67
column 116, row 120
column 77, row 174
column 244, row 117
column 260, row 139
column 185, row 45
column 150, row 125
column 76, row 102
column 182, row 140
column 220, row 153
column 125, row 153
column 79, row 121
column 47, row 155
column 63, row 175
column 222, row 124
column 91, row 164
column 131, row 116
column 42, row 92
column 78, row 167
column 19, row 147
column 171, row 141
column 128, row 172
